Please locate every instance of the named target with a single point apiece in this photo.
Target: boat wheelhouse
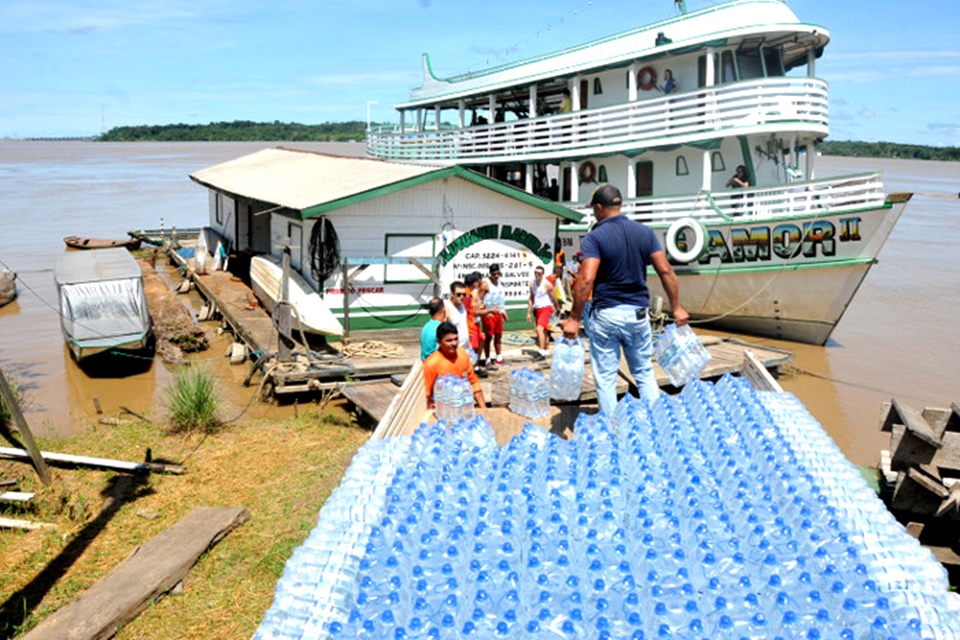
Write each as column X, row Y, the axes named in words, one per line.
column 781, row 257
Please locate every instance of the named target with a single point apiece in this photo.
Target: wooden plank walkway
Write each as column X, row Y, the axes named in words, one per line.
column 726, row 356
column 152, row 570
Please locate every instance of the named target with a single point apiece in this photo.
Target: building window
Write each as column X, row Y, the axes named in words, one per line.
column 218, row 208
column 682, row 169
column 602, row 174
column 716, row 162
column 597, row 87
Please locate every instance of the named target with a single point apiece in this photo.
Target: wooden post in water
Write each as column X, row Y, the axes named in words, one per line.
column 10, row 399
column 283, row 309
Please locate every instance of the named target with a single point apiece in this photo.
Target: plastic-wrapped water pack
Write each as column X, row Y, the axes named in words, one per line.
column 719, row 513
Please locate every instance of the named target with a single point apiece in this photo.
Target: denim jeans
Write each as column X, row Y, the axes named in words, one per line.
column 611, row 329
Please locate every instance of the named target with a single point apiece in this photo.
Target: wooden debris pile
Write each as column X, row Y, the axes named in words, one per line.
column 176, row 330
column 923, row 463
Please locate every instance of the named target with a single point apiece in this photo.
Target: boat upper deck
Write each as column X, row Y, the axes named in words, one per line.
column 742, row 20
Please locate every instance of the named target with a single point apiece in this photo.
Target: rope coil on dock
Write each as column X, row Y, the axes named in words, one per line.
column 373, row 349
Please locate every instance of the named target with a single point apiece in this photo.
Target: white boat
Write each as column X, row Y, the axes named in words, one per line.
column 310, row 311
column 103, row 307
column 782, row 257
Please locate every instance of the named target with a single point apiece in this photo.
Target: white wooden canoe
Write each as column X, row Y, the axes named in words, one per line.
column 313, row 314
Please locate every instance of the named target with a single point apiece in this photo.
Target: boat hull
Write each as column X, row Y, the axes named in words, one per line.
column 784, row 277
column 79, row 242
column 103, row 305
column 309, row 308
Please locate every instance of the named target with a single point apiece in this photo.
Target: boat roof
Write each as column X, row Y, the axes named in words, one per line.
column 314, row 183
column 96, row 265
column 766, row 21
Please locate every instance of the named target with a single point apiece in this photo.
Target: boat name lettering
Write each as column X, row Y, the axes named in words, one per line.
column 785, row 241
column 493, row 232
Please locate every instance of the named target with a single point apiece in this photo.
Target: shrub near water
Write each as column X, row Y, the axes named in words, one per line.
column 192, row 400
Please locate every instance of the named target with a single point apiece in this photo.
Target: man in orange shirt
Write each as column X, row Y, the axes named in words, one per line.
column 449, row 358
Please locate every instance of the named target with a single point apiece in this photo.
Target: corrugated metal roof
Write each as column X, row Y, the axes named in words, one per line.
column 303, row 179
column 98, row 265
column 738, row 19
column 314, row 183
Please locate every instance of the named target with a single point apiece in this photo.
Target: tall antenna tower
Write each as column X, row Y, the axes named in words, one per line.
column 103, row 120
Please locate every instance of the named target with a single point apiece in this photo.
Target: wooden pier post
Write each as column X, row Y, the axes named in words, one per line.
column 10, row 399
column 283, row 308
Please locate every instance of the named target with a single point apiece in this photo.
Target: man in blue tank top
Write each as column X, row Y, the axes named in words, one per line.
column 613, row 266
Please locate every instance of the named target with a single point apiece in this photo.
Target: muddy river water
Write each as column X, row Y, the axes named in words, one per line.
column 899, row 338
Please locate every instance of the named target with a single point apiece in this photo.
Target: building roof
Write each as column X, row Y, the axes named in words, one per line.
column 98, row 265
column 771, row 20
column 315, row 183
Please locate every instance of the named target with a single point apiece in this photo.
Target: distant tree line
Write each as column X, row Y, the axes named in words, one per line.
column 887, row 150
column 240, row 130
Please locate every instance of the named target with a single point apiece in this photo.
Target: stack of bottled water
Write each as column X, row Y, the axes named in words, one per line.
column 529, row 393
column 453, row 399
column 720, row 513
column 680, row 354
column 566, row 372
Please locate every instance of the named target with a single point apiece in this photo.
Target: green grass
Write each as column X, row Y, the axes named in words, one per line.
column 192, row 400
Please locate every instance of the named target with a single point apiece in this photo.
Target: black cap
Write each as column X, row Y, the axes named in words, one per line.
column 606, row 195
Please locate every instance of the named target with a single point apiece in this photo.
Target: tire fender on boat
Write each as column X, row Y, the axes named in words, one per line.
column 695, row 248
column 587, row 172
column 647, row 78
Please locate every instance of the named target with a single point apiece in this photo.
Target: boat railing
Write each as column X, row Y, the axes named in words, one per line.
column 742, row 206
column 704, row 113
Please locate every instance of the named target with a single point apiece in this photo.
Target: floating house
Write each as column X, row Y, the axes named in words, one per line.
column 380, row 238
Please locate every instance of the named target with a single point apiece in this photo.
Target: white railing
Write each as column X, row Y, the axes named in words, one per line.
column 706, row 113
column 801, row 199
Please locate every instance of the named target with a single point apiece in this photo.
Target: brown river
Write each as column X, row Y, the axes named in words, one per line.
column 899, row 337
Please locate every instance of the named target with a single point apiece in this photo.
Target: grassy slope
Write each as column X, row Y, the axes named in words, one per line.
column 281, row 472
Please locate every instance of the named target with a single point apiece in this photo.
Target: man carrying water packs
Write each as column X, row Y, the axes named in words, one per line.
column 450, row 358
column 613, row 267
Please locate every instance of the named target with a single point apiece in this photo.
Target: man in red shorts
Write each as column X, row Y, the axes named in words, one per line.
column 542, row 303
column 494, row 298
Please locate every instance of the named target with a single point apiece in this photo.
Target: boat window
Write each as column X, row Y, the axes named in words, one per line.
column 682, row 169
column 716, row 162
column 627, row 79
column 295, row 233
column 218, row 208
column 644, row 178
column 749, row 63
column 597, row 87
column 602, row 174
column 773, row 60
column 584, row 87
column 728, row 71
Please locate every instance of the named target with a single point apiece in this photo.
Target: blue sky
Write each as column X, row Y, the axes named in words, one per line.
column 75, row 67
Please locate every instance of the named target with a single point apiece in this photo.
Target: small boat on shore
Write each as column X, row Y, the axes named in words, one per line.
column 103, row 306
column 310, row 311
column 80, row 242
column 8, row 286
